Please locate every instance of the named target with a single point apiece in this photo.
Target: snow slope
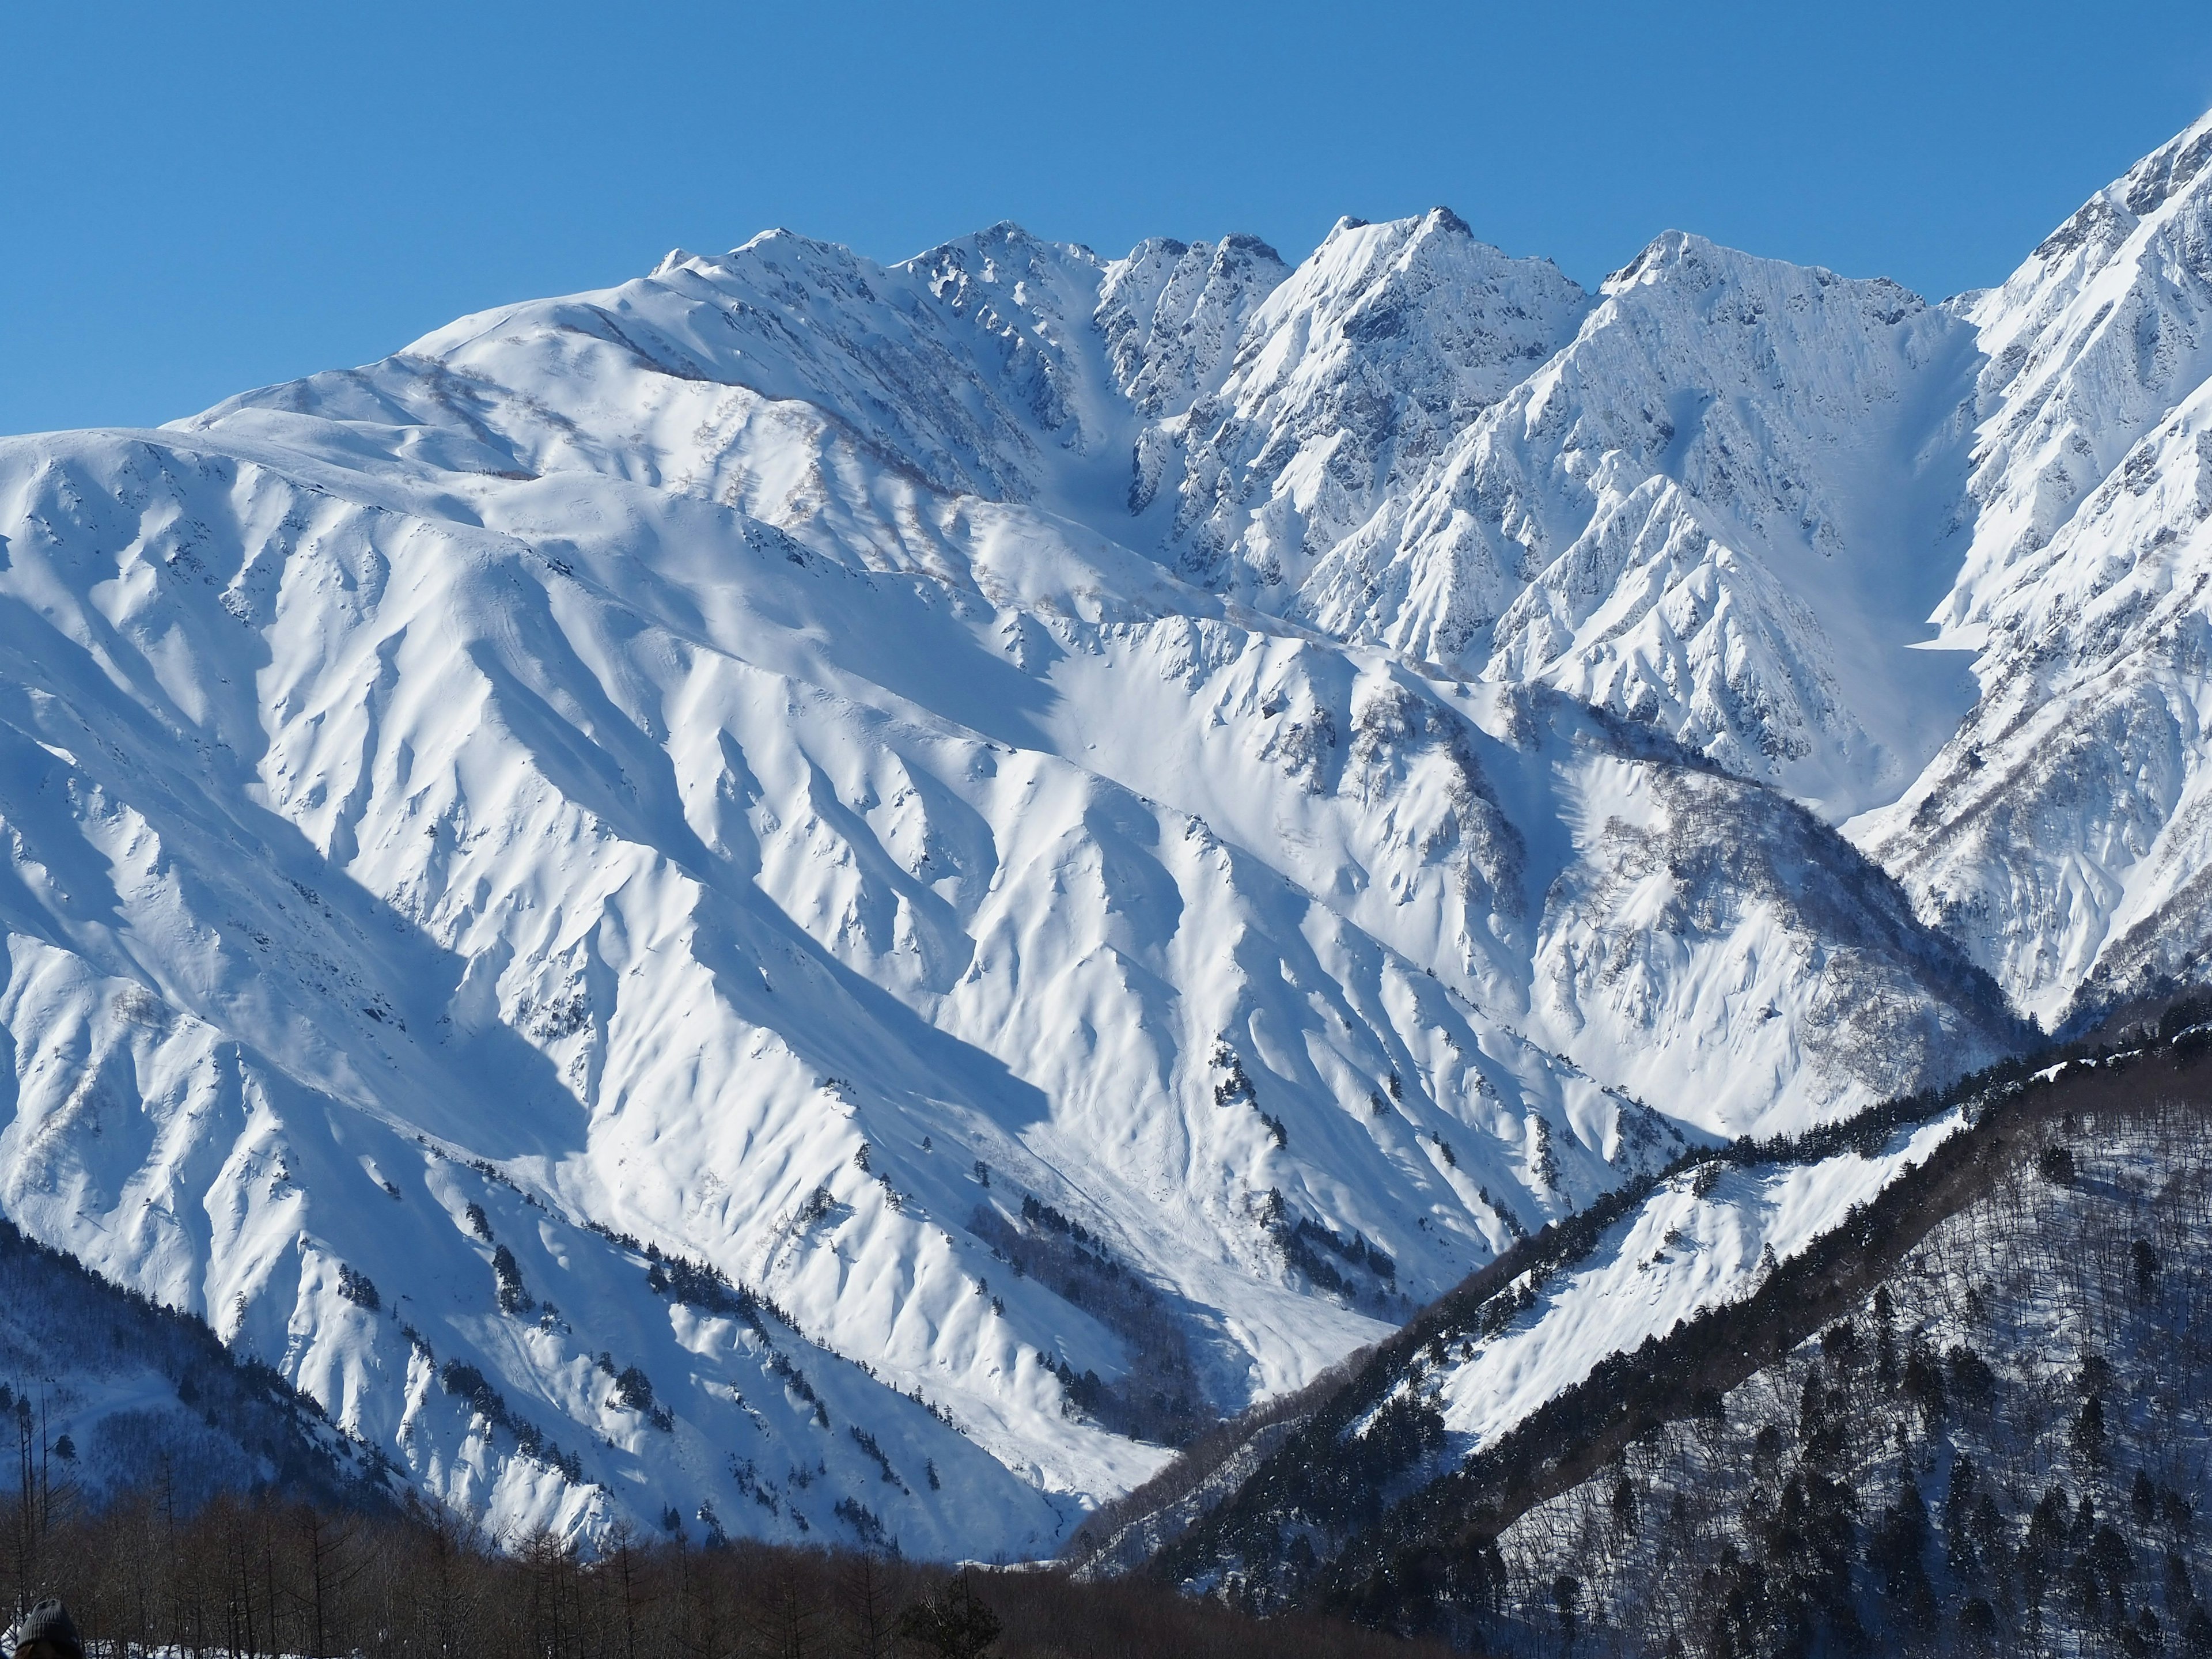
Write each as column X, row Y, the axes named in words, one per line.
column 1680, row 1252
column 1645, row 1349
column 102, row 1389
column 2061, row 833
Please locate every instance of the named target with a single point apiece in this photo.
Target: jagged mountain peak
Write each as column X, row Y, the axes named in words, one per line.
column 1666, row 247
column 1672, row 517
column 1359, row 253
column 1173, row 315
column 1436, row 219
column 2101, row 224
column 2172, row 166
column 1677, row 256
column 2103, row 295
column 1349, row 379
column 2059, row 833
column 998, row 253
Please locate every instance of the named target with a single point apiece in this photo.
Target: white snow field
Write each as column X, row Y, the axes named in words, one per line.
column 688, row 902
column 1680, row 1252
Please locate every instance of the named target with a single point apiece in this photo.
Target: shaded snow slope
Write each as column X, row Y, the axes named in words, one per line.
column 1487, row 1389
column 1642, row 1355
column 104, row 1391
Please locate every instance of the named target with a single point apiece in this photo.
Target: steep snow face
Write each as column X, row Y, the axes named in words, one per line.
column 1348, row 381
column 2101, row 333
column 1722, row 510
column 253, row 1086
column 1173, row 315
column 2061, row 835
column 1709, row 944
column 501, row 824
column 1699, row 1241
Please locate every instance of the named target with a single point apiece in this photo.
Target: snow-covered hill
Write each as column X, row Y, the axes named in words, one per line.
column 104, row 1392
column 1944, row 1274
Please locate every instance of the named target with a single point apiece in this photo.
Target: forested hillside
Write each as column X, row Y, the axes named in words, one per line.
column 1978, row 1411
column 2006, row 1442
column 103, row 1390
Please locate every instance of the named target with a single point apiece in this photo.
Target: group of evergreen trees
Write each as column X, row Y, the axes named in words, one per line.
column 255, row 1576
column 2006, row 1445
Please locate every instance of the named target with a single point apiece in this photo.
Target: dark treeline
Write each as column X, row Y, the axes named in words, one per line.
column 250, row 1575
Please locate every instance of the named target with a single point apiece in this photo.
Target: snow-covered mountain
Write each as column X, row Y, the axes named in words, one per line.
column 418, row 868
column 816, row 899
column 2061, row 835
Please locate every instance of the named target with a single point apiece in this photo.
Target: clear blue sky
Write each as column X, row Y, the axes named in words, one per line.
column 197, row 198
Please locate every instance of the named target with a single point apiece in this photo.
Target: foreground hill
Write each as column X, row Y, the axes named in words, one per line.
column 105, row 1392
column 1768, row 1406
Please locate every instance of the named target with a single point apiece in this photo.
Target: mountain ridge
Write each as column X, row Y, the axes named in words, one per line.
column 1077, row 835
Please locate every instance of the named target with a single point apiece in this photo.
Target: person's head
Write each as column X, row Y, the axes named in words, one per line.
column 46, row 1632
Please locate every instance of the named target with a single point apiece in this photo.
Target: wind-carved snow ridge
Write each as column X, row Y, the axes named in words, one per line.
column 1714, row 512
column 834, row 900
column 2060, row 834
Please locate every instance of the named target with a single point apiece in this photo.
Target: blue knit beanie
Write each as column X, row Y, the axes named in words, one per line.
column 48, row 1621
